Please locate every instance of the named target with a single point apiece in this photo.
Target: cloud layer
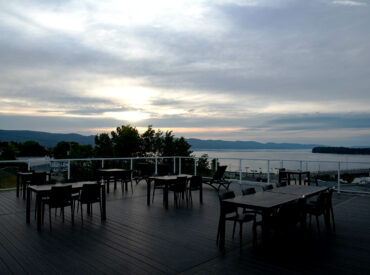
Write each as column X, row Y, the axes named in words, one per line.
column 238, row 70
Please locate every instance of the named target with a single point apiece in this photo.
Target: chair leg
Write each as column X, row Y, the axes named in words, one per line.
column 153, row 194
column 234, row 229
column 241, row 233
column 72, row 213
column 332, row 217
column 62, row 209
column 82, row 218
column 50, row 217
column 318, row 223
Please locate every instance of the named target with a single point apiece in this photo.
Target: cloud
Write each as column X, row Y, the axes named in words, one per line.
column 190, row 65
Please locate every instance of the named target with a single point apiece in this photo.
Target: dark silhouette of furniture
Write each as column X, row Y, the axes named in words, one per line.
column 230, row 213
column 195, row 183
column 42, row 191
column 89, row 194
column 163, row 180
column 23, row 179
column 179, row 189
column 267, row 187
column 60, row 197
column 125, row 177
column 218, row 179
column 284, row 178
column 291, row 176
column 158, row 184
column 248, row 191
column 322, row 207
column 115, row 174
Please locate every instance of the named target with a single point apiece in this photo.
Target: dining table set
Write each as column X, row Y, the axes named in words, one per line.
column 267, row 203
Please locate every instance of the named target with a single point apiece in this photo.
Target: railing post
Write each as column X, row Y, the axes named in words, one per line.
column 156, row 166
column 180, row 165
column 174, row 165
column 216, row 164
column 240, row 171
column 102, row 163
column 131, row 167
column 338, row 177
column 268, row 171
column 29, row 165
column 281, row 164
column 300, row 165
column 69, row 170
column 195, row 166
column 306, row 165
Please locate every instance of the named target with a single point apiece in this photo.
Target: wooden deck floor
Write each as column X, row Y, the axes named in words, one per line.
column 137, row 239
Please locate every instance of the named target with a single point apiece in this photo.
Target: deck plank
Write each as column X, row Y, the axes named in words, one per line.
column 137, row 239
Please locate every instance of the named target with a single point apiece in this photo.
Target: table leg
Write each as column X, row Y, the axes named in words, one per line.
column 148, row 182
column 18, row 186
column 107, row 181
column 104, row 204
column 165, row 195
column 28, row 206
column 38, row 203
column 201, row 193
column 115, row 183
column 221, row 228
column 300, row 178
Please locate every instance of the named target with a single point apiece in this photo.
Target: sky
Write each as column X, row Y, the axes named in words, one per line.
column 268, row 71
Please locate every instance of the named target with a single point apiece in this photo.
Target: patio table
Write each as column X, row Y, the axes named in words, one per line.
column 44, row 191
column 266, row 202
column 168, row 180
column 116, row 173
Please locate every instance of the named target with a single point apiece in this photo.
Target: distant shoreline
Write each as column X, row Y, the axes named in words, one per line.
column 341, row 150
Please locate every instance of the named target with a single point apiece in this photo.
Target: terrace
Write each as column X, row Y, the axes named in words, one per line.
column 142, row 239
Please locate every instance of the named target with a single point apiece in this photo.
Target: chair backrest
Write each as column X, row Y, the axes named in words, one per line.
column 267, row 187
column 90, row 193
column 39, row 178
column 225, row 196
column 248, row 191
column 283, row 176
column 181, row 184
column 219, row 172
column 196, row 182
column 60, row 196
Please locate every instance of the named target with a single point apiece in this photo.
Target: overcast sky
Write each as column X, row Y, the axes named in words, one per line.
column 279, row 70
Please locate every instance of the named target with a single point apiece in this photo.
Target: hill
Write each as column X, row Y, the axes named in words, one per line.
column 223, row 144
column 51, row 139
column 44, row 138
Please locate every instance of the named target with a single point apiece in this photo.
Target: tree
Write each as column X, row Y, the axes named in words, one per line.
column 126, row 141
column 103, row 146
column 32, row 149
column 62, row 150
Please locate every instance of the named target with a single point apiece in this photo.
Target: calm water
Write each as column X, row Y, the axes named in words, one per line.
column 317, row 162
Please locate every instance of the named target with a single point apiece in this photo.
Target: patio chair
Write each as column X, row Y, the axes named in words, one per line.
column 158, row 184
column 195, row 183
column 231, row 214
column 218, row 180
column 125, row 178
column 179, row 189
column 267, row 187
column 89, row 194
column 60, row 197
column 321, row 207
column 284, row 179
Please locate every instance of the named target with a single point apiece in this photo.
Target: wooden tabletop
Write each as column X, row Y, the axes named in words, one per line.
column 262, row 200
column 110, row 170
column 174, row 177
column 47, row 187
column 299, row 190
